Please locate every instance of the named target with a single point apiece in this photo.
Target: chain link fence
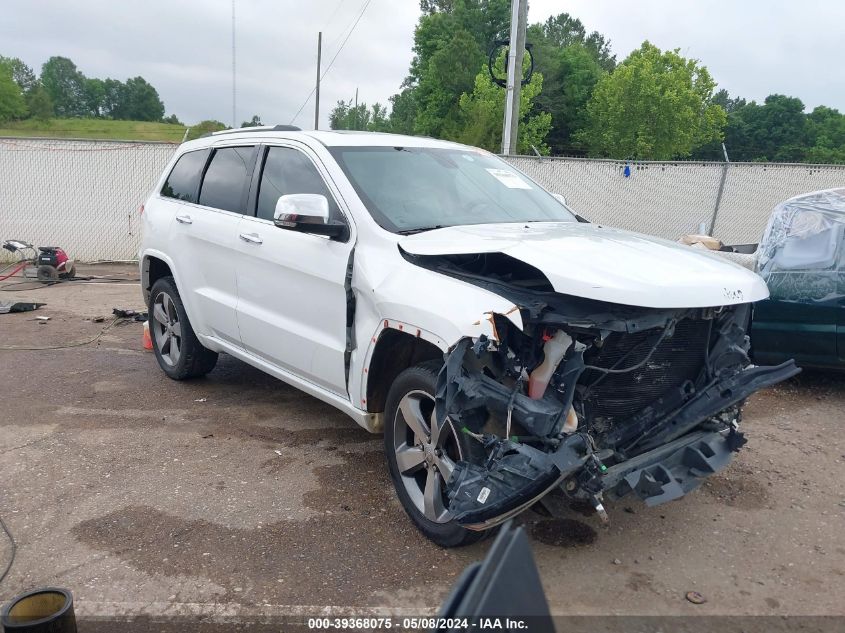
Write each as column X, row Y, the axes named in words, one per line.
column 84, row 195
column 81, row 195
column 670, row 199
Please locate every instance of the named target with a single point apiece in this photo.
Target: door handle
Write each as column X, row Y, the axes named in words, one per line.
column 252, row 238
column 184, row 219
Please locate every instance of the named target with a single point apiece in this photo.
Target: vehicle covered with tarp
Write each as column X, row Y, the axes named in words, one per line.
column 802, row 259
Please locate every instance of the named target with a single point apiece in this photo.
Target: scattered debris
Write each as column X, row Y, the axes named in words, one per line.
column 201, row 400
column 616, row 561
column 695, row 597
column 19, row 306
column 42, row 319
column 135, row 315
column 278, row 452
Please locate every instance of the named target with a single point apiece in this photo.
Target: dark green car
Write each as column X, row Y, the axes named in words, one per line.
column 802, row 259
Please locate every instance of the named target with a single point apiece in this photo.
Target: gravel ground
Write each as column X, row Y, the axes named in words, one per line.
column 145, row 495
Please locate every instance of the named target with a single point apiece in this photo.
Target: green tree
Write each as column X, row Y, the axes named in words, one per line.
column 347, row 116
column 723, row 98
column 66, row 87
column 777, row 130
column 403, row 111
column 654, row 105
column 826, row 132
column 205, row 127
column 21, row 73
column 138, row 101
column 12, row 103
column 39, row 103
column 95, row 93
column 112, row 97
column 562, row 31
column 172, row 119
column 255, row 121
column 573, row 72
column 483, row 111
column 450, row 73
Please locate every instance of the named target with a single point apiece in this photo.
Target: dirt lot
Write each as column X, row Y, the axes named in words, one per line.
column 145, row 495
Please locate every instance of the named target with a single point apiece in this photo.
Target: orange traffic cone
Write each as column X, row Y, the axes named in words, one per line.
column 148, row 341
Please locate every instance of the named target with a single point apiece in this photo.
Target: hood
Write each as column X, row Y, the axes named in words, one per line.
column 595, row 262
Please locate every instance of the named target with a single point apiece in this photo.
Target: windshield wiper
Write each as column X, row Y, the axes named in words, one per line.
column 421, row 229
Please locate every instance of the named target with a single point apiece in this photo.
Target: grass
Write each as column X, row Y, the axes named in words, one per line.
column 100, row 129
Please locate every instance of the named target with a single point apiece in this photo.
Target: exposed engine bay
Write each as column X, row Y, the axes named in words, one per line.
column 596, row 398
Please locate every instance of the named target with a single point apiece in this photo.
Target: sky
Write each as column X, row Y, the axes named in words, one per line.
column 752, row 48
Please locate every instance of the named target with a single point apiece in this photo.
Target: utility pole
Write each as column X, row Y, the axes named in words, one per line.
column 317, row 91
column 234, row 93
column 516, row 53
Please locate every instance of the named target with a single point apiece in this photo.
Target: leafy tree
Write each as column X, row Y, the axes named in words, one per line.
column 65, row 85
column 347, row 116
column 21, row 73
column 774, row 131
column 112, row 98
column 723, row 98
column 95, row 93
column 12, row 104
column 138, row 101
column 403, row 111
column 449, row 73
column 563, row 30
column 205, row 127
column 570, row 75
column 39, row 103
column 826, row 132
column 654, row 105
column 483, row 112
column 255, row 121
column 172, row 119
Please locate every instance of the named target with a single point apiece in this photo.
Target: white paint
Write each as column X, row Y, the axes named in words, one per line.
column 279, row 302
column 587, row 260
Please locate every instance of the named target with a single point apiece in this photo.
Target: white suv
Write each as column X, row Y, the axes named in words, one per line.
column 506, row 347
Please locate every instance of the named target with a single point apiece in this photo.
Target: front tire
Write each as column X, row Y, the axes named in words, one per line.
column 178, row 351
column 420, row 459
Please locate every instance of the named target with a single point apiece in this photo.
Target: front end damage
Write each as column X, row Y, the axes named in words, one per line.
column 599, row 399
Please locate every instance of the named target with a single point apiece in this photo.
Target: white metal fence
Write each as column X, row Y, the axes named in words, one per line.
column 81, row 195
column 673, row 198
column 85, row 195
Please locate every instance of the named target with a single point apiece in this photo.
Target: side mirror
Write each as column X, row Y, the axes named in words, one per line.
column 307, row 213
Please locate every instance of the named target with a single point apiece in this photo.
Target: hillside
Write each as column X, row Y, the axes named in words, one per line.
column 101, row 129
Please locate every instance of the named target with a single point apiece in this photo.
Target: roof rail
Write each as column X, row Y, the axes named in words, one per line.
column 262, row 128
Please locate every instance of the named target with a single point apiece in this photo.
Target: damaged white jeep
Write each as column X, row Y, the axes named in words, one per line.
column 506, row 347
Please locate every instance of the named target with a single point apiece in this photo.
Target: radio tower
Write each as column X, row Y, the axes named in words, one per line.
column 234, row 92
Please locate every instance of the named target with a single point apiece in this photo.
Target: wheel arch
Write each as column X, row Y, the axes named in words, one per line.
column 154, row 266
column 397, row 348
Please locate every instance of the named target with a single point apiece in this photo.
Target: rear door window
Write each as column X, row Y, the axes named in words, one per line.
column 226, row 181
column 183, row 183
column 287, row 170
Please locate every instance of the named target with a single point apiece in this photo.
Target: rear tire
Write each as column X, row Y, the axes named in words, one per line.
column 426, row 462
column 178, row 351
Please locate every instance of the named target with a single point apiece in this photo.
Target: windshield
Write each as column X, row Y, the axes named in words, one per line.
column 410, row 189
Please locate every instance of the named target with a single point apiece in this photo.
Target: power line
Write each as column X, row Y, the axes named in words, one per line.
column 329, row 66
column 334, row 13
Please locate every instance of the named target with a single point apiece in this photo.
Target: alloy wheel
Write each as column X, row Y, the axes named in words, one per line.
column 425, row 454
column 167, row 329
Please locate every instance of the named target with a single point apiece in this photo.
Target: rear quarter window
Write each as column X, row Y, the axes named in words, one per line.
column 183, row 183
